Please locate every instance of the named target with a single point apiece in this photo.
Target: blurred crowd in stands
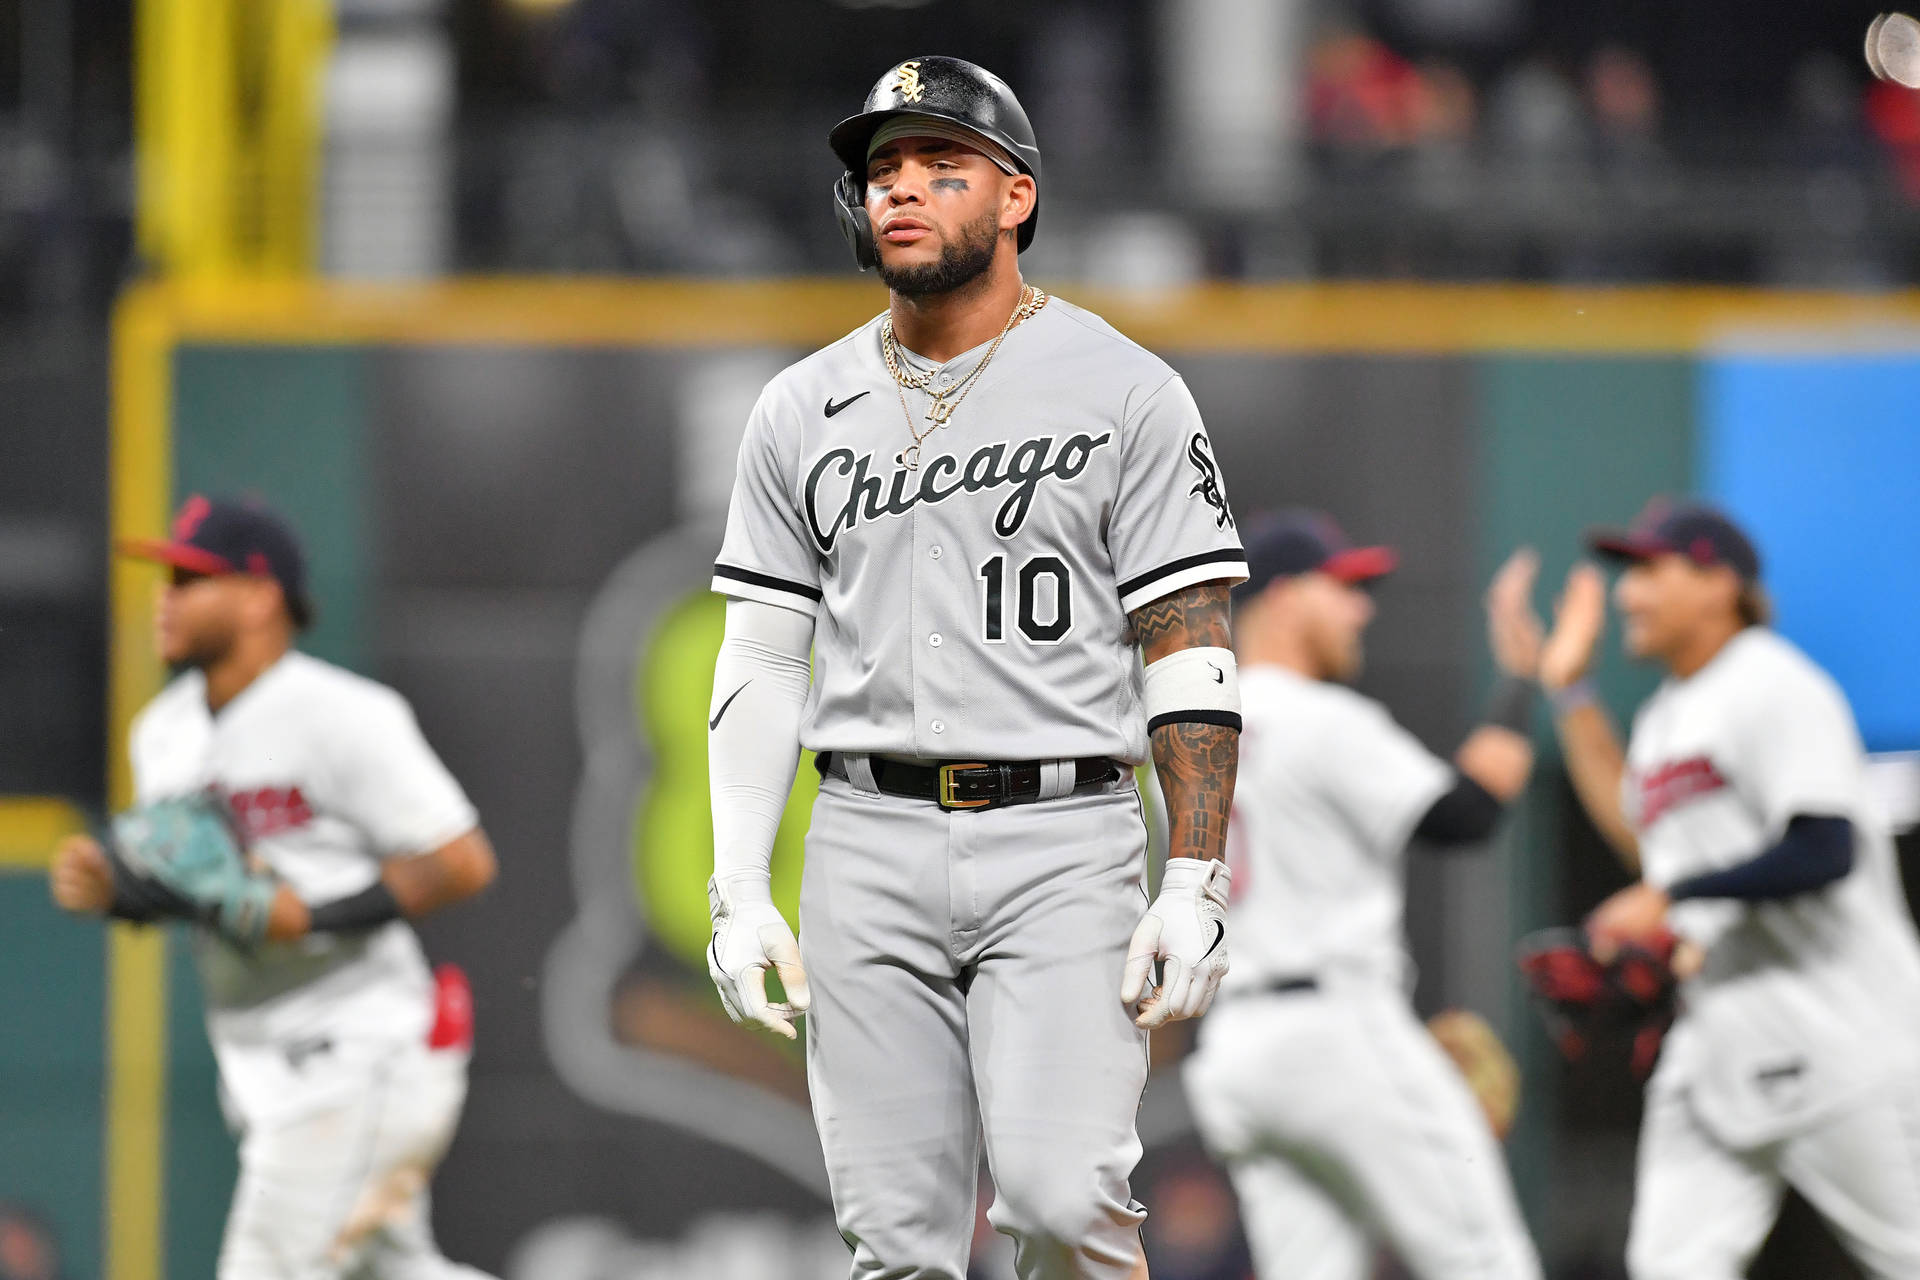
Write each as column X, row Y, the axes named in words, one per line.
column 606, row 153
column 647, row 136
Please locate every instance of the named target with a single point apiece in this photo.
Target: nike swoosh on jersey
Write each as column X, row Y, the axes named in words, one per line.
column 1219, row 676
column 1219, row 932
column 833, row 408
column 715, row 722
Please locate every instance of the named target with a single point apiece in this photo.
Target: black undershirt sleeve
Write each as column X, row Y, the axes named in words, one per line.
column 140, row 901
column 1465, row 815
column 370, row 908
column 1812, row 854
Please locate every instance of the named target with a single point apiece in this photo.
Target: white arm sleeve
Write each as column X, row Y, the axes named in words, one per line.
column 753, row 741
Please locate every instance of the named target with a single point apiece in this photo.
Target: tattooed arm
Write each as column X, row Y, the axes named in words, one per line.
column 1193, row 717
column 1195, row 762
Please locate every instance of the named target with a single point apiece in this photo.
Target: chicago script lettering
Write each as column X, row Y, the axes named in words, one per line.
column 842, row 489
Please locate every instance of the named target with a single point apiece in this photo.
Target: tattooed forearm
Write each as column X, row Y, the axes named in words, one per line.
column 1195, row 615
column 1196, row 762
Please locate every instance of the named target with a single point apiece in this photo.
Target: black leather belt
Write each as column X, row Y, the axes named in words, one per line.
column 1280, row 987
column 973, row 785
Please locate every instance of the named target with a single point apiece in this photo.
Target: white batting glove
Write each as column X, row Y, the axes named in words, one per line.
column 750, row 936
column 1186, row 930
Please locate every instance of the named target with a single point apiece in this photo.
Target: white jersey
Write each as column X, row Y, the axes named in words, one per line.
column 328, row 775
column 975, row 606
column 1329, row 792
column 1803, row 1003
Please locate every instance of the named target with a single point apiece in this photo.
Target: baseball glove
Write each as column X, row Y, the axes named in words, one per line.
column 184, row 857
column 1588, row 1005
column 1485, row 1063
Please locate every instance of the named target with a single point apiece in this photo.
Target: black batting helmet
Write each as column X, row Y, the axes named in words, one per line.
column 946, row 89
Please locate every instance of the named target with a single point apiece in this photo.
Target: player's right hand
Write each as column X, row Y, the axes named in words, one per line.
column 1513, row 628
column 1578, row 619
column 80, row 878
column 750, row 936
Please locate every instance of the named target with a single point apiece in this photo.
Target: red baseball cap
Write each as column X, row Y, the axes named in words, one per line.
column 220, row 536
column 1288, row 543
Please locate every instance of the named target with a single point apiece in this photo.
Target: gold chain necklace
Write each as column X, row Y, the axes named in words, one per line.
column 939, row 412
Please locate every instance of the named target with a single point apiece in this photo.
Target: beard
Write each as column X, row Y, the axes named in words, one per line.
column 962, row 261
column 1339, row 659
column 204, row 648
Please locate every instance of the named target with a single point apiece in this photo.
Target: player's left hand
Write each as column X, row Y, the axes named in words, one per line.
column 1636, row 914
column 1186, row 931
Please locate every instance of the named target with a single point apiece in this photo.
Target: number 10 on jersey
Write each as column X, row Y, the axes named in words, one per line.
column 1038, row 577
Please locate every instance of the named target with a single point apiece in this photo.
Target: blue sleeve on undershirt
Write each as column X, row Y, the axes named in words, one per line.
column 1814, row 852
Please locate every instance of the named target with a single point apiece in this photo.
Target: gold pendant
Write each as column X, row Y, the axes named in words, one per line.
column 909, row 457
column 938, row 411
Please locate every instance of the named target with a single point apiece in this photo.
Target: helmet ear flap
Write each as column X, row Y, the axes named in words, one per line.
column 850, row 208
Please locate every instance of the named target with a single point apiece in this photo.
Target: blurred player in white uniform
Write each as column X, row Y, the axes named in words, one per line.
column 343, row 1059
column 1338, row 1116
column 1742, row 801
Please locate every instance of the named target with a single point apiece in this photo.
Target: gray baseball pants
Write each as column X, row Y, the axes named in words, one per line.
column 965, row 970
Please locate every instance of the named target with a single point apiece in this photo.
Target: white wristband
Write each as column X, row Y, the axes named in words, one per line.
column 1198, row 686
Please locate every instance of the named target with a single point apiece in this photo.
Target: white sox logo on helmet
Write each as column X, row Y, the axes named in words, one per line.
column 911, row 90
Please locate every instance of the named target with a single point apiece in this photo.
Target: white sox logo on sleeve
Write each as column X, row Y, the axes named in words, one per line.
column 842, row 489
column 1207, row 487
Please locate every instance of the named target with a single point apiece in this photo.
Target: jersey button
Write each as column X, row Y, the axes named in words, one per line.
column 933, row 553
column 934, row 640
column 938, row 726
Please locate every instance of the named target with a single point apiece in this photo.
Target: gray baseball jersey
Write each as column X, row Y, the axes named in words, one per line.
column 976, row 607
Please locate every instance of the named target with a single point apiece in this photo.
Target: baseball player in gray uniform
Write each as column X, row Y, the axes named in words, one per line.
column 1742, row 800
column 979, row 511
column 1335, row 1111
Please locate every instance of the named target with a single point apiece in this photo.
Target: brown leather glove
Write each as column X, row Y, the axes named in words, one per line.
column 1485, row 1063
